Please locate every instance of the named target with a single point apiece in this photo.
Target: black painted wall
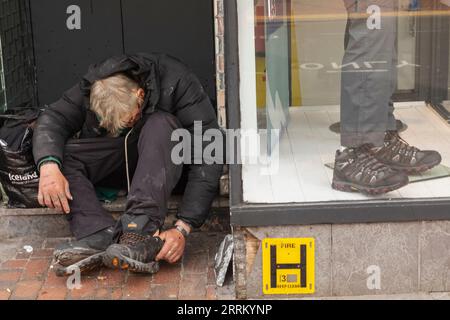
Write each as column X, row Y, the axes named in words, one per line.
column 181, row 28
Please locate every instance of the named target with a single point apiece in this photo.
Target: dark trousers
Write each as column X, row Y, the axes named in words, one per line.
column 369, row 75
column 89, row 162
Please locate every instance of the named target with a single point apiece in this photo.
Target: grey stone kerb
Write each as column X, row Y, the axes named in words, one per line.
column 412, row 258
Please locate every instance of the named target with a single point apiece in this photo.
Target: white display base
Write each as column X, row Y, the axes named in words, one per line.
column 308, row 145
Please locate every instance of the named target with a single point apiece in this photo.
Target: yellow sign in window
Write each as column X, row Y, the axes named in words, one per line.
column 288, row 266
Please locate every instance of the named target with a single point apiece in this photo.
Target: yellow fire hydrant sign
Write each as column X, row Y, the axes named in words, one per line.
column 288, row 266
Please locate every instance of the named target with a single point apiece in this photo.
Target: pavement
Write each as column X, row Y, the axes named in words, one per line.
column 29, row 276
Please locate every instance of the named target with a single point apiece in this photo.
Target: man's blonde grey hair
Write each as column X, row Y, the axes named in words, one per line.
column 112, row 99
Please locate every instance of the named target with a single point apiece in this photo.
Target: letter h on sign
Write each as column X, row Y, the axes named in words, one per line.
column 274, row 266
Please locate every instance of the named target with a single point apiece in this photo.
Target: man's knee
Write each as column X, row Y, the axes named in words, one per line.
column 158, row 129
column 160, row 124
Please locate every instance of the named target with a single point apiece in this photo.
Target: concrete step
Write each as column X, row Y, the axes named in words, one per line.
column 44, row 222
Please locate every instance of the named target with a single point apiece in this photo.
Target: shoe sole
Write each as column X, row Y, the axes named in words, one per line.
column 67, row 257
column 88, row 264
column 115, row 260
column 420, row 169
column 351, row 187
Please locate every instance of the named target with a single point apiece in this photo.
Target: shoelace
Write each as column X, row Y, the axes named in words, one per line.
column 400, row 146
column 368, row 163
column 129, row 238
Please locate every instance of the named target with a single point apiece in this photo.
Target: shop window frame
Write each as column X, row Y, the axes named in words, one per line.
column 331, row 212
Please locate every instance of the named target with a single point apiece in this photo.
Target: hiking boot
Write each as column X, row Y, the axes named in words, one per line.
column 84, row 265
column 399, row 155
column 134, row 252
column 356, row 169
column 86, row 253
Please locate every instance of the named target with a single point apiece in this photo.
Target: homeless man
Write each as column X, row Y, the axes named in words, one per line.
column 116, row 124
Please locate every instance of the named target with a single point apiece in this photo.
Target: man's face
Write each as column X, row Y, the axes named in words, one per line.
column 133, row 117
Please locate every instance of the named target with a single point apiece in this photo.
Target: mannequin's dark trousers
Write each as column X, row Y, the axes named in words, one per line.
column 369, row 73
column 101, row 161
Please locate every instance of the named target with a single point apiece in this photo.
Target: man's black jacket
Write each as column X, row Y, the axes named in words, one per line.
column 169, row 86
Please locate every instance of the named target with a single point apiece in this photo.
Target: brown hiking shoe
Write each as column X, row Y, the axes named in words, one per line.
column 134, row 252
column 399, row 155
column 84, row 255
column 357, row 170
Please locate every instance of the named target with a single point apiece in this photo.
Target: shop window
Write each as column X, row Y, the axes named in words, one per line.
column 337, row 76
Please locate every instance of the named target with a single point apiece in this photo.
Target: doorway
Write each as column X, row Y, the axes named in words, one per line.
column 184, row 29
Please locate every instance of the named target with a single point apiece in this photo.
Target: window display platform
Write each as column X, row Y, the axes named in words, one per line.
column 308, row 146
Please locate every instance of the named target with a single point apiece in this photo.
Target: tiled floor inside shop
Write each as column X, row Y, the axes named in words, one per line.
column 308, row 145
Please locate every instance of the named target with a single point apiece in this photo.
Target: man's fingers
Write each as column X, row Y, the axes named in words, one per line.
column 171, row 253
column 48, row 201
column 41, row 199
column 163, row 253
column 67, row 190
column 56, row 203
column 175, row 259
column 173, row 247
column 166, row 247
column 64, row 203
column 162, row 236
column 175, row 256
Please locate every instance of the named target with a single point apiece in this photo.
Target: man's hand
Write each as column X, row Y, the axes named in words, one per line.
column 53, row 188
column 174, row 244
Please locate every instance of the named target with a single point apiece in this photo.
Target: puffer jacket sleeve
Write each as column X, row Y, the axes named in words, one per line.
column 193, row 104
column 57, row 123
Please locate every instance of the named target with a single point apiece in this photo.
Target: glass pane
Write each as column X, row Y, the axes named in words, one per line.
column 319, row 44
column 272, row 60
column 406, row 42
column 2, row 82
column 277, row 63
column 349, row 83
